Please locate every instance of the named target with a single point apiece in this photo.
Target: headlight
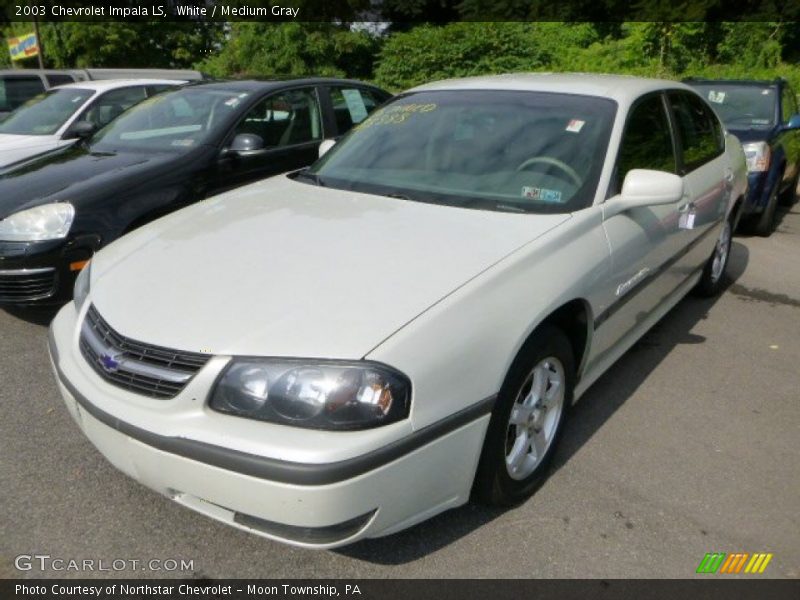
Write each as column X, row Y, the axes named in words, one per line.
column 313, row 394
column 45, row 222
column 758, row 155
column 82, row 286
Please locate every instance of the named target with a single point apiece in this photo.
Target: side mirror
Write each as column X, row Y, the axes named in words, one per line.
column 643, row 187
column 325, row 146
column 80, row 130
column 247, row 144
column 794, row 122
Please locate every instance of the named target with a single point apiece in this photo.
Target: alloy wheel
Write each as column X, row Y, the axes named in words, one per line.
column 535, row 417
column 721, row 253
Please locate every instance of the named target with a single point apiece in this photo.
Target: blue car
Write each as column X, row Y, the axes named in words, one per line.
column 764, row 116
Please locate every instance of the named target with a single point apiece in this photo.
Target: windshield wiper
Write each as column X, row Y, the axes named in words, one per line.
column 313, row 177
column 509, row 208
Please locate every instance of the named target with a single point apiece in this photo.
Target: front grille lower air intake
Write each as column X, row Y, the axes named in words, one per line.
column 135, row 366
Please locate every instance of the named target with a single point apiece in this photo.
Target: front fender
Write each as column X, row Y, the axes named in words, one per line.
column 459, row 351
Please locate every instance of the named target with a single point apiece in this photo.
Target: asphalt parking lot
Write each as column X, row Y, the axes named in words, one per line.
column 688, row 445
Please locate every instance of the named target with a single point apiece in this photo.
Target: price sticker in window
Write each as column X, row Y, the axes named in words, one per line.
column 355, row 105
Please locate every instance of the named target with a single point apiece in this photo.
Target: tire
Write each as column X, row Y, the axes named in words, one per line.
column 713, row 278
column 789, row 195
column 548, row 358
column 765, row 223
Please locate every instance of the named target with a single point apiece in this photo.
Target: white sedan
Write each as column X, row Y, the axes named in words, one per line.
column 350, row 349
column 64, row 114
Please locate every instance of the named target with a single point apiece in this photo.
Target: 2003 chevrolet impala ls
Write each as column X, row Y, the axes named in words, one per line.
column 346, row 350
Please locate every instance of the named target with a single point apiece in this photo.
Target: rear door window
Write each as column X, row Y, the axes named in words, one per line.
column 699, row 131
column 647, row 141
column 351, row 106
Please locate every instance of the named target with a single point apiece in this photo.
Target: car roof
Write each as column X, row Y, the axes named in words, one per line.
column 29, row 72
column 257, row 85
column 94, row 74
column 617, row 87
column 753, row 82
column 103, row 85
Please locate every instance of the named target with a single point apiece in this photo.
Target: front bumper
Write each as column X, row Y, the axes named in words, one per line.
column 319, row 505
column 39, row 272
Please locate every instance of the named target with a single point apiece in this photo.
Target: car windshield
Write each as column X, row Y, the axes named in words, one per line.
column 742, row 106
column 171, row 122
column 496, row 150
column 45, row 114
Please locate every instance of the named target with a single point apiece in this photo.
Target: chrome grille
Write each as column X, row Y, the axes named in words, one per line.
column 141, row 368
column 24, row 285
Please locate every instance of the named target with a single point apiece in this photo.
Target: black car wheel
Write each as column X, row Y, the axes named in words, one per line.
column 765, row 223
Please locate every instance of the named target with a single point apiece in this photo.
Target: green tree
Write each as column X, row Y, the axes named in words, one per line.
column 461, row 49
column 414, row 53
column 151, row 44
column 753, row 45
column 293, row 49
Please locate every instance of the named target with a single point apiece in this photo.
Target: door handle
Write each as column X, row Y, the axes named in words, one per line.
column 685, row 208
column 729, row 176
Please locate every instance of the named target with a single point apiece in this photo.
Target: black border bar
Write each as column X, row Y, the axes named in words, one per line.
column 711, row 588
column 442, row 11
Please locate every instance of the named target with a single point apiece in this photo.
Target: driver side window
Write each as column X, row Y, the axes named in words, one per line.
column 112, row 104
column 284, row 119
column 647, row 141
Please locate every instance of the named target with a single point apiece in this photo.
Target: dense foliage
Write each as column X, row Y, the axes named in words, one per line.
column 402, row 54
column 116, row 44
column 293, row 49
column 672, row 50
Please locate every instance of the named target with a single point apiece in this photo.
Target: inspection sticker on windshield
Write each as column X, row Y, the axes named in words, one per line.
column 716, row 97
column 541, row 194
column 575, row 125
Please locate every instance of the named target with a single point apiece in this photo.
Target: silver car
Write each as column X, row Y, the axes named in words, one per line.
column 347, row 350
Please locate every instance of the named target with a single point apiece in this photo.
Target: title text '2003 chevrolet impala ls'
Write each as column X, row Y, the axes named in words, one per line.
column 347, row 350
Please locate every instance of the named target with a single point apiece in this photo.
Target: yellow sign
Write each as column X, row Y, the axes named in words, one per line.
column 23, row 46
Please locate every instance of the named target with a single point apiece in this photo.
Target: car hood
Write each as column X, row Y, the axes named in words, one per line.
column 753, row 134
column 283, row 268
column 72, row 174
column 14, row 148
